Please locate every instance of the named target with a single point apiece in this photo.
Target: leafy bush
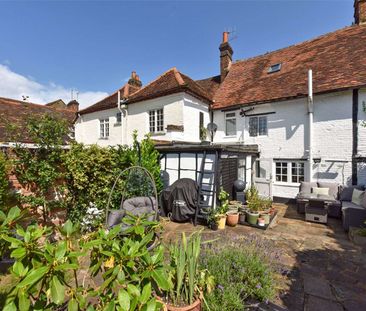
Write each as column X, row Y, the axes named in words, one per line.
column 242, row 274
column 47, row 272
column 4, row 183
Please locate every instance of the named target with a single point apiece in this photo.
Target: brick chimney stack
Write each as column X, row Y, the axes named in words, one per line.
column 226, row 56
column 73, row 105
column 135, row 80
column 360, row 12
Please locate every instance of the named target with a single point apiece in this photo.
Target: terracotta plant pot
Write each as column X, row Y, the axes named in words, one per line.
column 196, row 306
column 222, row 222
column 232, row 219
column 252, row 217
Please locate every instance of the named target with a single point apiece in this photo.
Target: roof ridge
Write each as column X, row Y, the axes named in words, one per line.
column 20, row 102
column 156, row 79
column 200, row 87
column 296, row 44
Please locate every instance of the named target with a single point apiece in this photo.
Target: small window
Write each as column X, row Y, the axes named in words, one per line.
column 275, row 68
column 230, row 121
column 258, row 126
column 104, row 128
column 119, row 117
column 201, row 129
column 297, row 171
column 156, row 121
column 260, row 171
column 281, row 171
column 241, row 169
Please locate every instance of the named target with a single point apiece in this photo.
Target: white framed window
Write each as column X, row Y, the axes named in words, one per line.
column 230, row 124
column 260, row 171
column 290, row 171
column 241, row 169
column 156, row 121
column 258, row 126
column 104, row 128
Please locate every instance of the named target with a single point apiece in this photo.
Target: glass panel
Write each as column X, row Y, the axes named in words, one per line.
column 231, row 127
column 262, row 125
column 253, row 126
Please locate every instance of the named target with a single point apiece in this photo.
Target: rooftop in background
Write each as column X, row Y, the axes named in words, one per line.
column 15, row 113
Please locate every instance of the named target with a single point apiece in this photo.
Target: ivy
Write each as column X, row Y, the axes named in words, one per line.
column 4, row 183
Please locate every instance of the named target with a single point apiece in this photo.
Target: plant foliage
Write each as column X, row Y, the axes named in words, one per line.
column 4, row 183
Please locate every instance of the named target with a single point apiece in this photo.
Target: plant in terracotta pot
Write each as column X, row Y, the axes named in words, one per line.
column 224, row 206
column 189, row 283
column 232, row 218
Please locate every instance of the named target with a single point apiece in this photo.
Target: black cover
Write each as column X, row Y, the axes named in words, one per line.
column 184, row 189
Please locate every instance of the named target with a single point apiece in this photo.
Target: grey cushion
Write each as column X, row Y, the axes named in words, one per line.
column 305, row 187
column 347, row 205
column 141, row 205
column 346, row 192
column 333, row 188
column 115, row 217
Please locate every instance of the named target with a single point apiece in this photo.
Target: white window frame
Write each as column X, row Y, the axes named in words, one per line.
column 104, row 128
column 289, row 166
column 230, row 116
column 156, row 120
column 259, row 121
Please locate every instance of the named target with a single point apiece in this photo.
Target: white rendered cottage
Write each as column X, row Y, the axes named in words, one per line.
column 286, row 125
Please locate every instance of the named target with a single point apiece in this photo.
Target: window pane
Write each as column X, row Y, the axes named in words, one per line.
column 152, row 121
column 262, row 126
column 253, row 126
column 230, row 127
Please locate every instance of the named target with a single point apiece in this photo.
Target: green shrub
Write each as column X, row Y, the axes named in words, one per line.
column 242, row 274
column 4, row 183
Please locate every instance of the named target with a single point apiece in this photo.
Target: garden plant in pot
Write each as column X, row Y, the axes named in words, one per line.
column 213, row 219
column 254, row 205
column 188, row 282
column 232, row 215
column 224, row 205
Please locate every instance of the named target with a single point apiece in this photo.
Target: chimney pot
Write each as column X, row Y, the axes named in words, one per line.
column 133, row 75
column 225, row 37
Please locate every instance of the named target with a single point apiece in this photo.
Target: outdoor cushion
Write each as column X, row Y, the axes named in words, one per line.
column 141, row 205
column 347, row 191
column 350, row 205
column 333, row 188
column 115, row 217
column 305, row 187
column 357, row 196
column 322, row 191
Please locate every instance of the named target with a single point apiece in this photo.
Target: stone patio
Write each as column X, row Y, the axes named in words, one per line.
column 323, row 269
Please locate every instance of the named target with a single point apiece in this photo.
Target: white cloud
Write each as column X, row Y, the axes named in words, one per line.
column 14, row 85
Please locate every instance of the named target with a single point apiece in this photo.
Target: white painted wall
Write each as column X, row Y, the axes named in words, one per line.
column 288, row 137
column 179, row 109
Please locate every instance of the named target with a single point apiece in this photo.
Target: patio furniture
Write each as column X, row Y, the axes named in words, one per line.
column 316, row 211
column 332, row 199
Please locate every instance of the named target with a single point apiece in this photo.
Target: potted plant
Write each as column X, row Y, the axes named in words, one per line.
column 224, row 206
column 254, row 203
column 232, row 218
column 213, row 219
column 242, row 215
column 188, row 282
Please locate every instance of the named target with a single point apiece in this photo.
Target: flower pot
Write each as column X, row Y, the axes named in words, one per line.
column 267, row 218
column 261, row 222
column 222, row 222
column 252, row 217
column 214, row 226
column 196, row 306
column 242, row 218
column 232, row 218
column 233, row 208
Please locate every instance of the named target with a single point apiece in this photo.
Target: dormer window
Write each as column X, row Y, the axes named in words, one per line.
column 274, row 68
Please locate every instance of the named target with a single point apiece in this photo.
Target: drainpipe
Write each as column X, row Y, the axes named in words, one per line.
column 124, row 114
column 310, row 134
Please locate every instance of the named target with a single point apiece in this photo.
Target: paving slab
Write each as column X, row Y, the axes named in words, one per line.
column 313, row 303
column 317, row 286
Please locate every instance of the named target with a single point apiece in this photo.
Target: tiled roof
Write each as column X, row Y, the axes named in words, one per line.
column 111, row 100
column 170, row 82
column 338, row 61
column 15, row 113
column 211, row 85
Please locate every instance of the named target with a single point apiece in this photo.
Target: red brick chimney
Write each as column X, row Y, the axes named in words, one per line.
column 226, row 56
column 135, row 80
column 360, row 12
column 73, row 106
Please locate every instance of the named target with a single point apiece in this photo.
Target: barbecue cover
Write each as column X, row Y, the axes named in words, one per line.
column 180, row 200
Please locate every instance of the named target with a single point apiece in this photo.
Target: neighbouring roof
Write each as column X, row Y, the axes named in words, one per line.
column 111, row 100
column 170, row 82
column 338, row 61
column 15, row 113
column 211, row 85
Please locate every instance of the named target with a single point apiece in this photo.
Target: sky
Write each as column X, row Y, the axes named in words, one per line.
column 49, row 47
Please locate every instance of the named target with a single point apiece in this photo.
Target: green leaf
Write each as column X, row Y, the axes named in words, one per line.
column 124, row 300
column 133, row 290
column 18, row 253
column 68, row 227
column 61, row 250
column 24, row 302
column 151, row 305
column 57, row 291
column 33, row 276
column 110, row 306
column 18, row 268
column 14, row 212
column 146, row 293
column 10, row 307
column 67, row 266
column 72, row 305
column 160, row 279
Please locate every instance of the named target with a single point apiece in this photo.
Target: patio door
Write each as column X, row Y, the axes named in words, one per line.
column 263, row 176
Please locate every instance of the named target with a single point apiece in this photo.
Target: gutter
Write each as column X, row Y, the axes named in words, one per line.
column 123, row 112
